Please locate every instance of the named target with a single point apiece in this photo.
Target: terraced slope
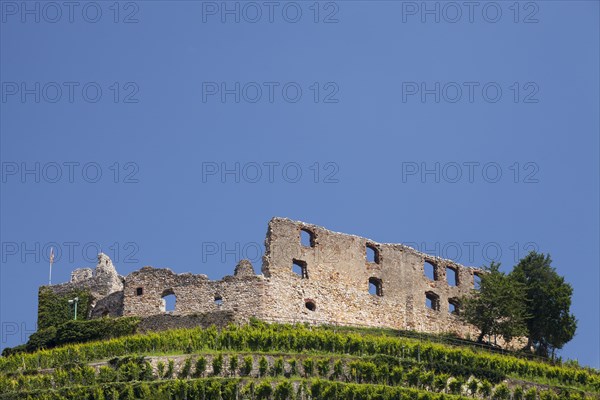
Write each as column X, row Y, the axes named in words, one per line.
column 270, row 361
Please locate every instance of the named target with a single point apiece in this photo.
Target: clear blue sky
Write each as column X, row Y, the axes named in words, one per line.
column 412, row 118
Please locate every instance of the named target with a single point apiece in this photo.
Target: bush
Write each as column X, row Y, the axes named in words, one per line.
column 160, row 367
column 217, row 364
column 323, row 367
column 186, row 369
column 263, row 390
column 531, row 394
column 200, row 366
column 9, row 351
column 518, row 393
column 338, row 369
column 455, row 386
column 278, row 367
column 263, row 366
column 248, row 364
column 233, row 364
column 283, row 391
column 501, row 392
column 293, row 367
column 309, row 367
column 170, row 369
column 485, row 389
column 81, row 331
column 42, row 339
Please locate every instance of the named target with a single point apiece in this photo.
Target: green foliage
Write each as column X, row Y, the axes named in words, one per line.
column 263, row 390
column 42, row 339
column 54, row 309
column 170, row 369
column 485, row 389
column 498, row 307
column 247, row 367
column 233, row 365
column 200, row 366
column 160, row 367
column 217, row 364
column 518, row 393
column 369, row 361
column 531, row 394
column 308, row 365
column 263, row 366
column 473, row 386
column 501, row 392
column 81, row 331
column 323, row 367
column 283, row 391
column 278, row 366
column 293, row 366
column 455, row 385
column 549, row 323
column 95, row 329
column 186, row 369
column 338, row 369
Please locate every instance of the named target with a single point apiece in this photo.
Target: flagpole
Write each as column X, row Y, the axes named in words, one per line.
column 51, row 262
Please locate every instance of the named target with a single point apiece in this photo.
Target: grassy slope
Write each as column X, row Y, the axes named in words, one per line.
column 282, row 361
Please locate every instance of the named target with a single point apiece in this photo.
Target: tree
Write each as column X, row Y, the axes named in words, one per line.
column 549, row 323
column 498, row 307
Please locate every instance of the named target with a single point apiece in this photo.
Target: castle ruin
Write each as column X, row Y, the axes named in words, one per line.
column 309, row 274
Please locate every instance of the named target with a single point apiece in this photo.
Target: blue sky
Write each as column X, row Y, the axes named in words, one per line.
column 169, row 134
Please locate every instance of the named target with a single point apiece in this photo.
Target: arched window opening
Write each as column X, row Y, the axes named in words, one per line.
column 432, row 301
column 310, row 305
column 307, row 238
column 300, row 268
column 452, row 276
column 453, row 306
column 430, row 271
column 169, row 301
column 372, row 253
column 375, row 287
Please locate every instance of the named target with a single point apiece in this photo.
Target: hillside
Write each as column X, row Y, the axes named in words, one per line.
column 273, row 361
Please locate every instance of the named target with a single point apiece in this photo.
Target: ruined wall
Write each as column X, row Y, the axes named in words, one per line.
column 329, row 284
column 145, row 289
column 335, row 288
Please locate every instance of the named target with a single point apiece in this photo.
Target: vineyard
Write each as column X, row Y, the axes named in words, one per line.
column 275, row 361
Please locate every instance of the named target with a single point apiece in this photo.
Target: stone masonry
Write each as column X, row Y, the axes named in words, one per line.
column 327, row 278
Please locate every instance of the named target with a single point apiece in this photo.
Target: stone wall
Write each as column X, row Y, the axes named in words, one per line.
column 330, row 283
column 337, row 276
column 144, row 292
